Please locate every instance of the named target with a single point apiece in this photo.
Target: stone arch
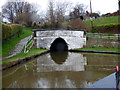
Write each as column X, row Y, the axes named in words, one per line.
column 59, row 44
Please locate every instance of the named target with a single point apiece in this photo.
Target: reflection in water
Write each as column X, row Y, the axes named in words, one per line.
column 74, row 62
column 76, row 71
column 59, row 57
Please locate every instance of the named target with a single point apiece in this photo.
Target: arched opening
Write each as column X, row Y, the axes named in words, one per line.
column 59, row 45
column 59, row 57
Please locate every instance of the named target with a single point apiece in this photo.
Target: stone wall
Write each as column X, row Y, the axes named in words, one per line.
column 102, row 42
column 74, row 39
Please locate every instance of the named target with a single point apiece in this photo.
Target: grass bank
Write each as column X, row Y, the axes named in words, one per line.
column 100, row 49
column 105, row 25
column 8, row 45
column 103, row 21
column 100, row 21
column 23, row 55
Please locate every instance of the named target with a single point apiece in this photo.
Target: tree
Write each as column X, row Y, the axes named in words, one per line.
column 56, row 12
column 78, row 11
column 95, row 15
column 8, row 11
column 61, row 9
column 18, row 12
column 51, row 13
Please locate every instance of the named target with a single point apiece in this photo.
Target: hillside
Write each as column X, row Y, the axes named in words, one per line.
column 103, row 21
column 105, row 25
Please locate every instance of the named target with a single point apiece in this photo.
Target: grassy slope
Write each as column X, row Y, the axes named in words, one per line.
column 23, row 55
column 8, row 45
column 100, row 49
column 103, row 21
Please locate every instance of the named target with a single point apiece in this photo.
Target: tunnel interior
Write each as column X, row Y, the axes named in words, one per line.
column 59, row 45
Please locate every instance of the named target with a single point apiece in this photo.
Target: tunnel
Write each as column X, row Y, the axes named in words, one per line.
column 59, row 45
column 59, row 57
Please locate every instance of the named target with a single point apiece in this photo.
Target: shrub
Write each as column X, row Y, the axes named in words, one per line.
column 10, row 30
column 77, row 24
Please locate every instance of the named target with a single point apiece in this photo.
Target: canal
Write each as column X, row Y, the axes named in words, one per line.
column 60, row 70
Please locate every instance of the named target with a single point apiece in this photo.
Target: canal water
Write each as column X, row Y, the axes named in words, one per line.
column 60, row 70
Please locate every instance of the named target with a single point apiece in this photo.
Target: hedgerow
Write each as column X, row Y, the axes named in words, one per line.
column 9, row 30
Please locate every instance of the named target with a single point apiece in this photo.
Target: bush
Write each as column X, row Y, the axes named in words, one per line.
column 77, row 24
column 10, row 30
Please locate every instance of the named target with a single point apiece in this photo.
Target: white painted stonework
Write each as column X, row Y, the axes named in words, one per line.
column 74, row 39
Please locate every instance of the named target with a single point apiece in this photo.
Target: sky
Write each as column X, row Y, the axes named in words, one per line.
column 103, row 6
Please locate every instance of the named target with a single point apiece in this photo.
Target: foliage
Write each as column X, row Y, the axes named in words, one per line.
column 10, row 44
column 10, row 30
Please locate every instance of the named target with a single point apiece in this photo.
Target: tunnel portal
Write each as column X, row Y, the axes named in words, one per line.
column 59, row 44
column 59, row 40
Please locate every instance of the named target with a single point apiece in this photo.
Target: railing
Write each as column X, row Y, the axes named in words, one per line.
column 101, row 35
column 28, row 45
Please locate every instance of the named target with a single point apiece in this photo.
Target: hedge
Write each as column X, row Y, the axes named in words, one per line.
column 9, row 30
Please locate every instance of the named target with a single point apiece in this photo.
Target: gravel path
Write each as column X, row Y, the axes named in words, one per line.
column 18, row 48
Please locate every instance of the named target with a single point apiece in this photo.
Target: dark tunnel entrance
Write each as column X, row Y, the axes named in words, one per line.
column 59, row 45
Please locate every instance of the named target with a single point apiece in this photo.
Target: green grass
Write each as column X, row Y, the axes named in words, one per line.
column 100, row 49
column 103, row 21
column 23, row 55
column 64, row 23
column 10, row 44
column 3, row 23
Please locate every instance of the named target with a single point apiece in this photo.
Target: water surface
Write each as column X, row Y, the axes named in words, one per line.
column 60, row 70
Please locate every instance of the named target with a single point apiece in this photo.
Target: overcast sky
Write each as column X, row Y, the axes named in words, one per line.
column 104, row 6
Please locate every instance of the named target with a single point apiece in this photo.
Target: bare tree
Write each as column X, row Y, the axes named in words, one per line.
column 56, row 12
column 61, row 8
column 17, row 12
column 51, row 13
column 8, row 11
